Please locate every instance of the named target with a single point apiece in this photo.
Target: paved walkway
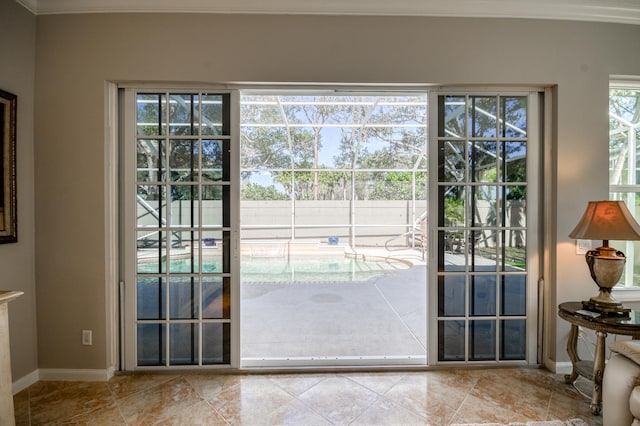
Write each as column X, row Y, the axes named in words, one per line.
column 381, row 319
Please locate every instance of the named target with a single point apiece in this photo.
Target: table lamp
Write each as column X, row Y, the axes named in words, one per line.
column 606, row 220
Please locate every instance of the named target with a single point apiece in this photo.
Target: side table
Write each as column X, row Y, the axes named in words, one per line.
column 627, row 325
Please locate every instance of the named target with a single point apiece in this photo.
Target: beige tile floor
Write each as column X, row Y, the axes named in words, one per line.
column 437, row 397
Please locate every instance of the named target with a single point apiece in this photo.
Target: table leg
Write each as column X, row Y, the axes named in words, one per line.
column 572, row 350
column 598, row 372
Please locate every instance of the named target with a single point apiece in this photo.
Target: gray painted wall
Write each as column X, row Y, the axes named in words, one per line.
column 76, row 54
column 17, row 267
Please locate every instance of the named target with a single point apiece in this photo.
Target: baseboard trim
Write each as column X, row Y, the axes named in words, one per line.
column 62, row 374
column 559, row 367
column 25, row 381
column 76, row 375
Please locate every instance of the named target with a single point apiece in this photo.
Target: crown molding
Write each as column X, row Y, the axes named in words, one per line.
column 30, row 5
column 615, row 11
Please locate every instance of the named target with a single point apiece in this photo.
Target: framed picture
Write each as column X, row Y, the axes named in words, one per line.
column 8, row 202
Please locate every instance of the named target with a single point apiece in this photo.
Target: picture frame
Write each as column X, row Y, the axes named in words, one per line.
column 8, row 197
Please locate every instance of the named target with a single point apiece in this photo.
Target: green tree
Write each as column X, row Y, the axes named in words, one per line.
column 255, row 192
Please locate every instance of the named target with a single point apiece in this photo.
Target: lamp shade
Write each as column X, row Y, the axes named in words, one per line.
column 606, row 220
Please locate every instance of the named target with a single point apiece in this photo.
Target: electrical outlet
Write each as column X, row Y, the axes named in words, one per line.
column 583, row 246
column 87, row 338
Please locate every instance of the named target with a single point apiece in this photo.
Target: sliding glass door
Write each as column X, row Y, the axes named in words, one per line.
column 484, row 284
column 177, row 190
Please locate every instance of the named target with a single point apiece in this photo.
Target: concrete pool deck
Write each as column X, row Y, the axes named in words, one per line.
column 349, row 323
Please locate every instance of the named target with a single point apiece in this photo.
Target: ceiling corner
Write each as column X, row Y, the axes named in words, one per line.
column 31, row 5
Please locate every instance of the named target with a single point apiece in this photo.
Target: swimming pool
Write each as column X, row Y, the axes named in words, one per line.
column 293, row 269
column 314, row 269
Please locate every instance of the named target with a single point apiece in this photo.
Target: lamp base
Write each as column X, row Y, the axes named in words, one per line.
column 606, row 265
column 605, row 308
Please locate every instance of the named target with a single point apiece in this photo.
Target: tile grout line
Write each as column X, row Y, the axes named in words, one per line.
column 296, row 397
column 115, row 400
column 462, row 402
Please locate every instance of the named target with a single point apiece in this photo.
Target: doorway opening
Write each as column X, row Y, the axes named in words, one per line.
column 333, row 229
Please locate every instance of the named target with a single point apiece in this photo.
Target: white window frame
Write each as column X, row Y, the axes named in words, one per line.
column 628, row 293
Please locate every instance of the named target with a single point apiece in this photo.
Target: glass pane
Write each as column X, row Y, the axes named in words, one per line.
column 514, row 117
column 183, row 341
column 212, row 160
column 451, row 340
column 216, row 343
column 151, row 255
column 151, row 344
column 515, row 253
column 181, row 114
column 452, row 164
column 184, row 205
column 624, row 166
column 451, row 250
column 513, row 295
column 485, row 206
column 183, row 297
column 482, row 340
column 183, row 160
column 184, row 251
column 451, row 295
column 516, row 236
column 483, row 162
column 215, row 258
column 482, row 295
column 515, row 161
column 454, row 205
column 151, row 298
column 214, row 198
column 216, row 294
column 150, row 159
column 421, row 190
column 619, row 149
column 452, row 120
column 150, row 114
column 630, row 248
column 516, row 206
column 455, row 242
column 150, row 203
column 484, row 256
column 486, row 241
column 212, row 114
column 483, row 115
column 636, row 142
column 513, row 343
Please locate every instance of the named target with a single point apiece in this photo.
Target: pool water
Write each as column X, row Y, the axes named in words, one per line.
column 293, row 269
column 314, row 269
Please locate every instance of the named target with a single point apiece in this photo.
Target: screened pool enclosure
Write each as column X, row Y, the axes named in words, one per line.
column 333, row 183
column 347, row 170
